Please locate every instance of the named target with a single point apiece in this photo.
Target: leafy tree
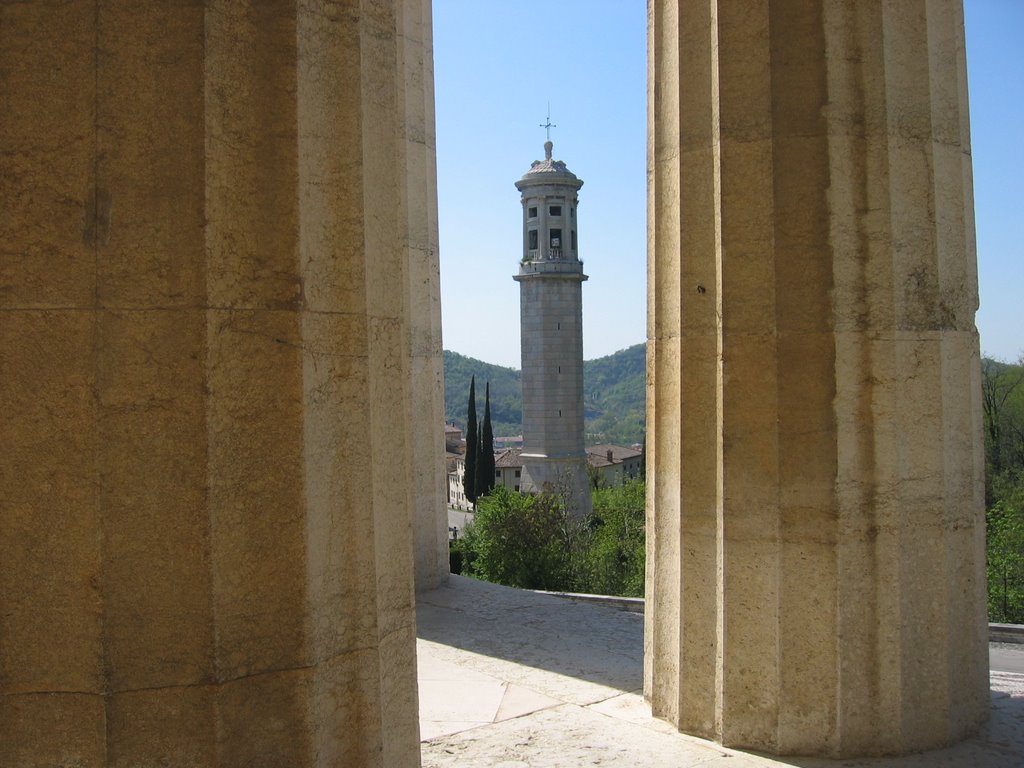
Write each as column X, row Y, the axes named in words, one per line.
column 614, row 555
column 472, row 445
column 1005, row 529
column 1003, row 414
column 520, row 540
column 531, row 541
column 1002, row 389
column 485, row 455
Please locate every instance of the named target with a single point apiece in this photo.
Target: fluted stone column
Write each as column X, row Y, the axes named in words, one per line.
column 419, row 156
column 816, row 539
column 207, row 337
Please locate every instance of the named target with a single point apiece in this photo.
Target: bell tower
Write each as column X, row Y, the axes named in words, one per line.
column 551, row 323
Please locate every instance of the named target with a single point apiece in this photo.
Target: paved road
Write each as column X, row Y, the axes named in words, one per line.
column 458, row 520
column 1006, row 657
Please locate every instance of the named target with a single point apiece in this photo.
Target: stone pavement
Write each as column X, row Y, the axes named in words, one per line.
column 513, row 679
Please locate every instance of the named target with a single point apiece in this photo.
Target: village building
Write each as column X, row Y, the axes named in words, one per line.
column 454, row 442
column 612, row 465
column 455, row 464
column 508, row 468
column 455, row 468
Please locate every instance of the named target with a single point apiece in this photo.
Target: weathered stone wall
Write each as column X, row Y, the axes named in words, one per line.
column 218, row 225
column 816, row 531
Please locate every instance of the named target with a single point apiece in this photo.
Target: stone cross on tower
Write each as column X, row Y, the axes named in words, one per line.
column 551, row 310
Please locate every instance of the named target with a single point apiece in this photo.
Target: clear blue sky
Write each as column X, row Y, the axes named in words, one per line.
column 497, row 65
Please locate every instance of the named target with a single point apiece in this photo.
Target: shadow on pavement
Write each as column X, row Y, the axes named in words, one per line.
column 599, row 645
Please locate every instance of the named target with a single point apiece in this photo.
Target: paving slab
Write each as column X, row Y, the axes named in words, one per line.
column 520, row 700
column 570, row 651
column 513, row 679
column 565, row 737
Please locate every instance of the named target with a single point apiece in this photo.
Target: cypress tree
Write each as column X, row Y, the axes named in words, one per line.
column 485, row 457
column 472, row 445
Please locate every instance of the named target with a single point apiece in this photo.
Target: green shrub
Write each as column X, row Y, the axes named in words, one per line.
column 614, row 555
column 531, row 542
column 1005, row 529
column 520, row 541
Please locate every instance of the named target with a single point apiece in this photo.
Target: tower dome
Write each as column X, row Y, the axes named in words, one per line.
column 549, row 210
column 549, row 166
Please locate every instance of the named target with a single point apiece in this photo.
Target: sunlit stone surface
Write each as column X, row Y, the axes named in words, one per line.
column 816, row 531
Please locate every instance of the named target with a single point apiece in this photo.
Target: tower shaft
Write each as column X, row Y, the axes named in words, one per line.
column 551, row 321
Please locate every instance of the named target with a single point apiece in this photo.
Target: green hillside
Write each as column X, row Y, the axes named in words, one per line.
column 613, row 391
column 506, row 394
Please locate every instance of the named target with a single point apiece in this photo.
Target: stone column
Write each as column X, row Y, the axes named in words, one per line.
column 427, row 422
column 816, row 541
column 206, row 344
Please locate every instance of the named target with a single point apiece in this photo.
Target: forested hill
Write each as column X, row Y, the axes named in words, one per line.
column 506, row 394
column 613, row 393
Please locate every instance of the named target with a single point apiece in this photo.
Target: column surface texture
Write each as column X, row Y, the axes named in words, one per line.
column 419, row 156
column 816, row 531
column 206, row 344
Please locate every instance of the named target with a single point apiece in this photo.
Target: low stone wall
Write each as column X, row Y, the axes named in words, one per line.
column 1006, row 633
column 997, row 633
column 631, row 604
